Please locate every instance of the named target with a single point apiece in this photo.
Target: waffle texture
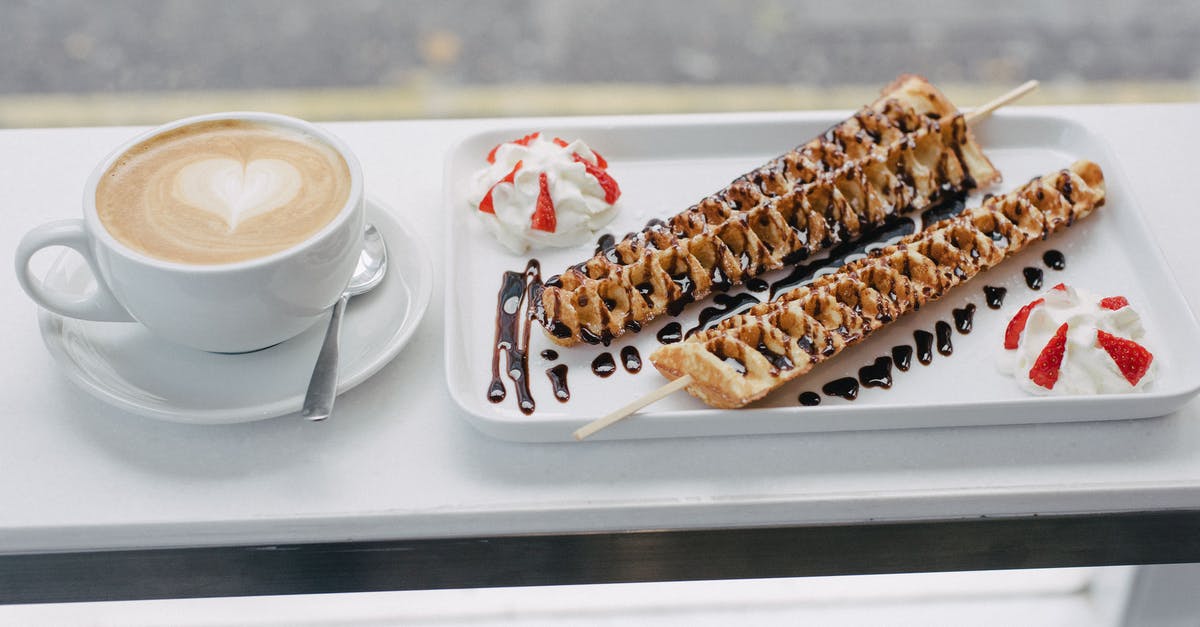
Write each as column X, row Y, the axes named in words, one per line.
column 747, row 356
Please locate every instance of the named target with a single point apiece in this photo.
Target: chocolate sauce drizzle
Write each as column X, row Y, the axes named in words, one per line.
column 1033, row 278
column 670, row 333
column 724, row 306
column 1054, row 260
column 809, row 399
column 944, row 344
column 549, row 354
column 558, row 381
column 994, row 296
column 924, row 341
column 893, row 228
column 878, row 374
column 631, row 359
column 902, row 357
column 512, row 337
column 846, row 387
column 603, row 365
column 964, row 318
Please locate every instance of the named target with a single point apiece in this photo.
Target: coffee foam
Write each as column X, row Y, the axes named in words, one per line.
column 222, row 191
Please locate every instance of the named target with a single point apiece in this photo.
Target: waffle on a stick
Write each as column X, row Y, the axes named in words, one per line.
column 747, row 356
column 906, row 151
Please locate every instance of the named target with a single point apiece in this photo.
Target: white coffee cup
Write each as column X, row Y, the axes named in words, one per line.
column 223, row 307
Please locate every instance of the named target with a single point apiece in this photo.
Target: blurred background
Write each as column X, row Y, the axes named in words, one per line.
column 81, row 62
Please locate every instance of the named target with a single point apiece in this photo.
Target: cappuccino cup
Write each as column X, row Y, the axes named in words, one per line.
column 228, row 232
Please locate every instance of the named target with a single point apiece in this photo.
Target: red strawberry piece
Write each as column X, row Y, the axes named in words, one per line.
column 1060, row 287
column 1114, row 302
column 486, row 205
column 544, row 218
column 1045, row 370
column 612, row 191
column 1132, row 359
column 1012, row 335
column 524, row 141
column 600, row 160
column 558, row 141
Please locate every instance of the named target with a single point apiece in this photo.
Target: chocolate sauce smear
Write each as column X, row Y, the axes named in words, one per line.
column 512, row 337
column 902, row 357
column 549, row 354
column 809, row 399
column 757, row 285
column 893, row 228
column 725, row 306
column 964, row 318
column 631, row 359
column 944, row 344
column 846, row 387
column 603, row 365
column 878, row 374
column 605, row 243
column 670, row 333
column 924, row 341
column 1054, row 260
column 558, row 381
column 994, row 296
column 1033, row 278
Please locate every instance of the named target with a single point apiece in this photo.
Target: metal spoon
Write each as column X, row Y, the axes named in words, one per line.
column 322, row 387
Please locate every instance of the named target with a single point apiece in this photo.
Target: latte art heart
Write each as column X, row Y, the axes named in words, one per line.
column 238, row 191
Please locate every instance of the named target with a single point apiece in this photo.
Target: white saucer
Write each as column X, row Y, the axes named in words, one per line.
column 126, row 366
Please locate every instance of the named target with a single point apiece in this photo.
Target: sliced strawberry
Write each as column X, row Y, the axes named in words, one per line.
column 524, row 141
column 1132, row 359
column 1012, row 335
column 558, row 141
column 612, row 191
column 600, row 160
column 486, row 205
column 1045, row 370
column 1060, row 287
column 1114, row 302
column 544, row 218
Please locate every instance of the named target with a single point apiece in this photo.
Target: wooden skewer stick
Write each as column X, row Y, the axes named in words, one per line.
column 982, row 112
column 973, row 117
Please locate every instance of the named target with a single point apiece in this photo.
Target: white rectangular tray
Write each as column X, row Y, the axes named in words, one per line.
column 665, row 166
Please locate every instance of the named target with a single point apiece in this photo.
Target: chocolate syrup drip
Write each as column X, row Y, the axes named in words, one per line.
column 902, row 357
column 515, row 288
column 549, row 354
column 688, row 287
column 720, row 282
column 1054, row 260
column 846, row 387
column 633, row 326
column 924, row 341
column 994, row 296
column 725, row 305
column 558, row 381
column 778, row 360
column 586, row 335
column 1033, row 278
column 671, row 333
column 964, row 318
column 605, row 243
column 878, row 374
column 757, row 285
column 631, row 359
column 603, row 365
column 944, row 344
column 809, row 399
column 892, row 229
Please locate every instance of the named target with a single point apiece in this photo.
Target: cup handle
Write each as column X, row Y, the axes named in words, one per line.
column 101, row 305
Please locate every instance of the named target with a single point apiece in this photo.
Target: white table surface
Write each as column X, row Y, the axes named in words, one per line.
column 398, row 461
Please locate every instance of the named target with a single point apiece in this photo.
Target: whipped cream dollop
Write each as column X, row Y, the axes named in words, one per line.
column 1071, row 341
column 539, row 191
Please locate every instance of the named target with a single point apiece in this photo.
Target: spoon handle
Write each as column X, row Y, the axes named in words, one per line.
column 322, row 387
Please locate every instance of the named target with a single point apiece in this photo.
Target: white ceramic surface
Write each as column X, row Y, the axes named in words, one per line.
column 400, row 461
column 664, row 168
column 127, row 366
